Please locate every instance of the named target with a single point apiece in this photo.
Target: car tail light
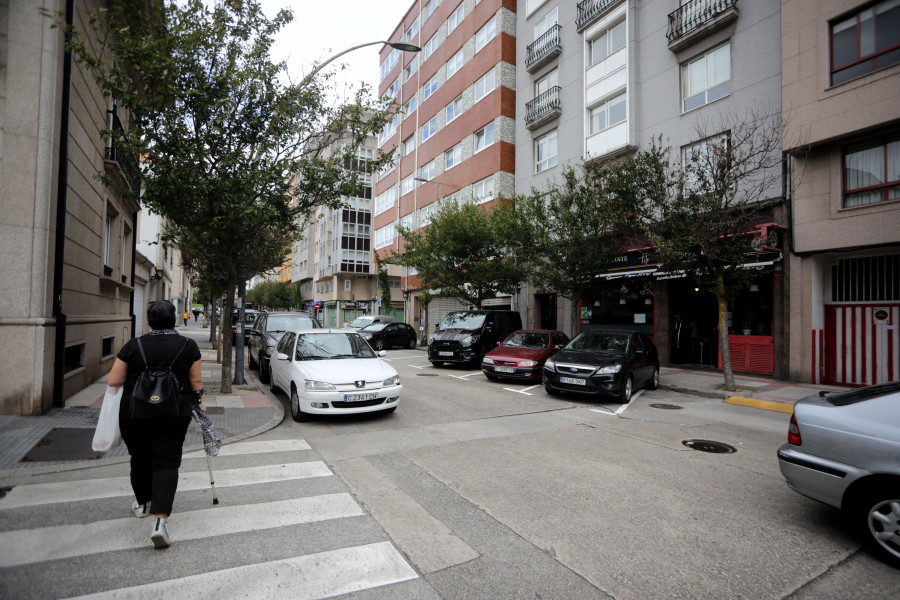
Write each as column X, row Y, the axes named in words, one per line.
column 794, row 432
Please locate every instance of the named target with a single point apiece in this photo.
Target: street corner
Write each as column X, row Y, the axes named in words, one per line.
column 760, row 404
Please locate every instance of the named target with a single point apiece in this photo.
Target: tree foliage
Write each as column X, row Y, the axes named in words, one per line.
column 384, row 284
column 464, row 252
column 232, row 156
column 276, row 295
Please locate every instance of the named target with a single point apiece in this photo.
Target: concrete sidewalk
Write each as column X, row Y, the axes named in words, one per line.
column 61, row 438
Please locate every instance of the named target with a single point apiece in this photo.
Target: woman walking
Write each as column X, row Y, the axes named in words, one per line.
column 155, row 442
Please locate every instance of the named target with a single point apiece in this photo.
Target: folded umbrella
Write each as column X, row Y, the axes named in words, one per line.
column 211, row 440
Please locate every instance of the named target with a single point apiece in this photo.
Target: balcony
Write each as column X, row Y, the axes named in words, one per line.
column 590, row 11
column 127, row 164
column 543, row 109
column 543, row 49
column 697, row 19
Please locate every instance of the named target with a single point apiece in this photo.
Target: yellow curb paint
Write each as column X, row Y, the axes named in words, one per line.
column 763, row 404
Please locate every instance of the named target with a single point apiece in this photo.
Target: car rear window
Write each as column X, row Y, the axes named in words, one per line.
column 863, row 394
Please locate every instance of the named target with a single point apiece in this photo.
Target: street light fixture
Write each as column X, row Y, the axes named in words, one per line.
column 403, row 47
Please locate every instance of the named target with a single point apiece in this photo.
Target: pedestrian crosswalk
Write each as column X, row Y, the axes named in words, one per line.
column 241, row 517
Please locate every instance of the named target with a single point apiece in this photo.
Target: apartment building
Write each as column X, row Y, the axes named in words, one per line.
column 841, row 82
column 601, row 78
column 455, row 132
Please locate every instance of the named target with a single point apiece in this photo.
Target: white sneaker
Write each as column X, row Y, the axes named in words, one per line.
column 160, row 535
column 141, row 510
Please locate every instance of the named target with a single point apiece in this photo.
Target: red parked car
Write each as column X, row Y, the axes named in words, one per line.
column 522, row 354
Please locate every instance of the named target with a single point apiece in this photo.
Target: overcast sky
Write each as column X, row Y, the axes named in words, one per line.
column 323, row 28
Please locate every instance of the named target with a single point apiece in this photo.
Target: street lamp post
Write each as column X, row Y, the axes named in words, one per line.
column 403, row 47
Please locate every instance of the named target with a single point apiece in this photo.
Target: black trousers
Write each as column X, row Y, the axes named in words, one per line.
column 155, row 448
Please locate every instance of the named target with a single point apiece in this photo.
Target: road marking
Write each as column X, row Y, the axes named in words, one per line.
column 255, row 448
column 763, row 404
column 466, row 375
column 27, row 546
column 523, row 390
column 604, row 412
column 309, row 577
column 90, row 489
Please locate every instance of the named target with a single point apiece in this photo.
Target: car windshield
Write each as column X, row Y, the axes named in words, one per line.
column 462, row 320
column 319, row 346
column 289, row 322
column 359, row 322
column 527, row 339
column 862, row 394
column 607, row 343
column 375, row 327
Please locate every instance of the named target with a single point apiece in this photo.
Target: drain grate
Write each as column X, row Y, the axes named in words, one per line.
column 665, row 406
column 426, row 374
column 709, row 446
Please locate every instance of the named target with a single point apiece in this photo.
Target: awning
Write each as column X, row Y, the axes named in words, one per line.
column 628, row 273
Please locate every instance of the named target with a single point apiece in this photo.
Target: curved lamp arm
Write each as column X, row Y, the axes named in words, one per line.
column 398, row 45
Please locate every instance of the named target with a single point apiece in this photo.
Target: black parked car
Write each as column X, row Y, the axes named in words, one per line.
column 389, row 335
column 249, row 319
column 604, row 362
column 266, row 333
column 465, row 336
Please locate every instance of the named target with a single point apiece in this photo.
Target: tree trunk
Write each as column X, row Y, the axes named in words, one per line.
column 575, row 317
column 227, row 314
column 724, row 346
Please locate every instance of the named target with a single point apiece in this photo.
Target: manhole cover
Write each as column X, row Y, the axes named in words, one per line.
column 709, row 446
column 666, row 406
column 427, row 374
column 63, row 443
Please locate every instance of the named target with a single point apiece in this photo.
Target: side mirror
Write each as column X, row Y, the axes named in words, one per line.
column 281, row 356
column 382, row 353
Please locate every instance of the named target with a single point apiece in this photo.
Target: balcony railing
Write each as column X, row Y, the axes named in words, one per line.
column 114, row 152
column 591, row 10
column 698, row 18
column 543, row 108
column 543, row 49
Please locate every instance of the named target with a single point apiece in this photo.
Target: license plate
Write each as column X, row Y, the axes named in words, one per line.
column 359, row 397
column 573, row 380
column 505, row 369
column 445, row 354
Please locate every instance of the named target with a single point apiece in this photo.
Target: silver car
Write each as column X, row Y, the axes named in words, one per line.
column 844, row 450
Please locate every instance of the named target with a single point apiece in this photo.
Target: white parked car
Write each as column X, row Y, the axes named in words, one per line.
column 329, row 372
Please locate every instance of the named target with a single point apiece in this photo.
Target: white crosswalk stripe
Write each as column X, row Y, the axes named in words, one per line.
column 366, row 562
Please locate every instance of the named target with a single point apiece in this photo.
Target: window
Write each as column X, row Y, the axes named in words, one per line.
column 453, row 156
column 107, row 248
column 431, row 87
column 389, row 130
column 429, row 171
column 73, row 358
column 483, row 190
column 609, row 42
column 485, row 85
column 429, row 128
column 385, row 200
column 544, row 25
column 456, row 17
column 546, row 82
column 701, row 160
column 486, row 34
column 407, row 185
column 389, row 63
column 429, row 8
column 611, row 112
column 106, row 346
column 410, row 69
column 484, row 137
column 412, row 31
column 409, row 145
column 430, row 46
column 410, row 107
column 545, row 152
column 454, row 109
column 872, row 172
column 384, row 236
column 392, row 91
column 866, row 41
column 455, row 64
column 707, row 78
column 348, row 285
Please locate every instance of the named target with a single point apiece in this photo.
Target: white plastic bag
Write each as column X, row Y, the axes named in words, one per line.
column 107, row 436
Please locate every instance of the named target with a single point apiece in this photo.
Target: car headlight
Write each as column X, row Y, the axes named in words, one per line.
column 431, row 339
column 487, row 360
column 269, row 350
column 366, row 336
column 468, row 341
column 550, row 364
column 610, row 369
column 395, row 380
column 317, row 385
column 528, row 363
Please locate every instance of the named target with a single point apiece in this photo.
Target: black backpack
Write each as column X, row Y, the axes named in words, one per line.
column 155, row 392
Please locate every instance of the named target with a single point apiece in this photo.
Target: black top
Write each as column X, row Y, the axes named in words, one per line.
column 160, row 350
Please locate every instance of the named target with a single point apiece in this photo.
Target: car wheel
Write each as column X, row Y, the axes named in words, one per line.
column 265, row 371
column 251, row 363
column 297, row 414
column 272, row 387
column 627, row 389
column 412, row 344
column 378, row 345
column 876, row 513
column 654, row 380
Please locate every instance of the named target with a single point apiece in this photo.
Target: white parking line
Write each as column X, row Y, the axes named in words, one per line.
column 466, row 375
column 621, row 409
column 523, row 390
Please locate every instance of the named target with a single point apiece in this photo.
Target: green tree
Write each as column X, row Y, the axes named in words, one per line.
column 384, row 284
column 700, row 214
column 464, row 252
column 567, row 236
column 232, row 156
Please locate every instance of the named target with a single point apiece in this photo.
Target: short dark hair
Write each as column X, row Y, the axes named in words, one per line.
column 161, row 315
